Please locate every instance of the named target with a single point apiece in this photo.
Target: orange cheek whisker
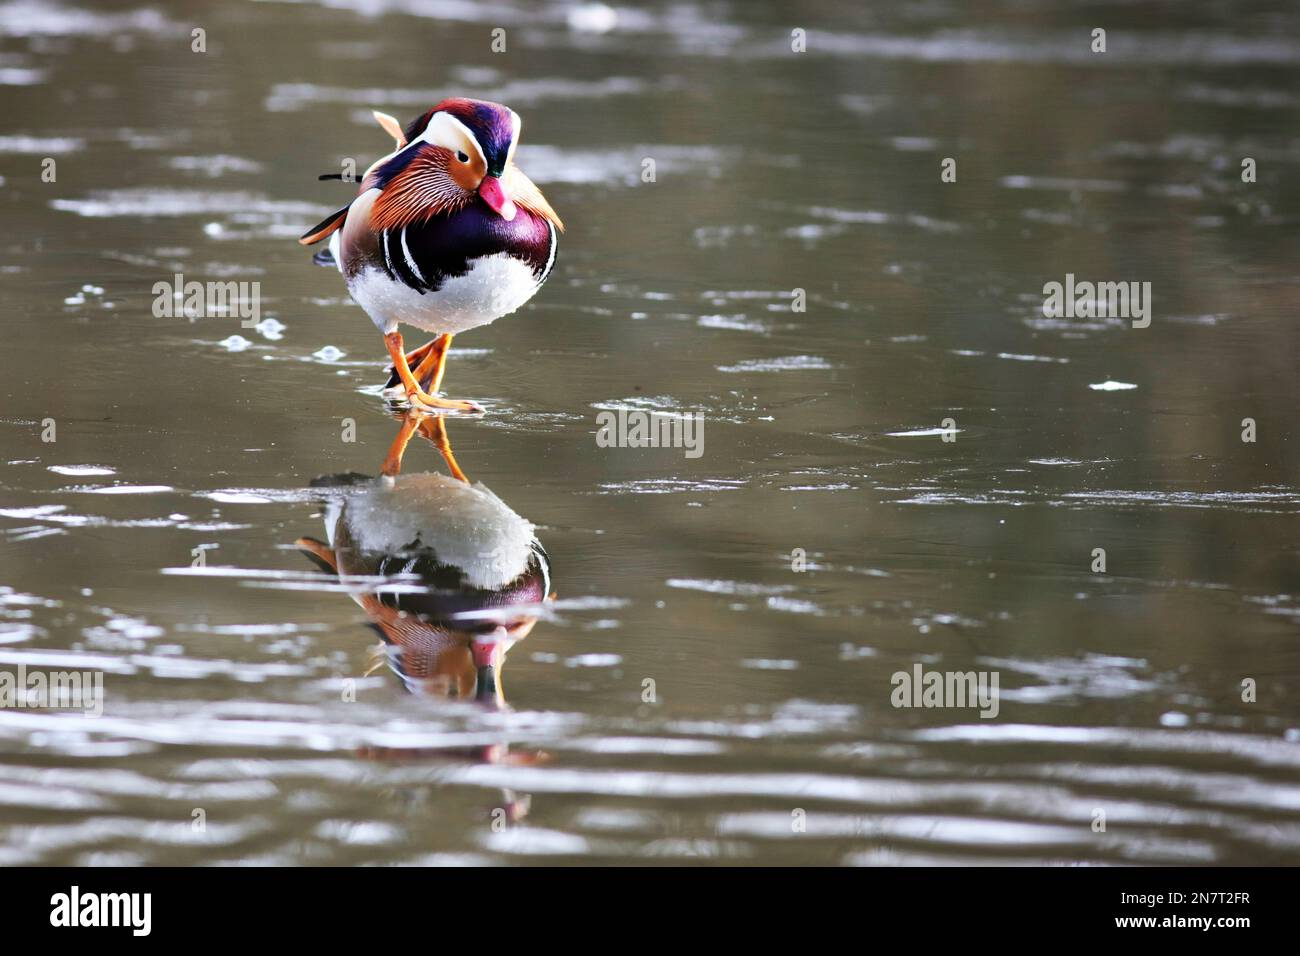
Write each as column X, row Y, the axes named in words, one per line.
column 420, row 191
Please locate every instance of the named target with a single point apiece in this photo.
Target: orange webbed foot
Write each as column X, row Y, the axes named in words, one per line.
column 431, row 365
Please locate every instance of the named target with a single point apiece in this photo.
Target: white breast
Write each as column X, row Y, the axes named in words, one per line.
column 466, row 526
column 494, row 286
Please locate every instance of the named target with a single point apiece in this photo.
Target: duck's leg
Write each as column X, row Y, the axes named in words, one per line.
column 393, row 460
column 433, row 364
column 435, row 430
column 415, row 356
column 418, row 397
column 413, row 359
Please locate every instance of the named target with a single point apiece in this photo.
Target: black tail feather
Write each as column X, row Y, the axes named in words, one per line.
column 326, row 226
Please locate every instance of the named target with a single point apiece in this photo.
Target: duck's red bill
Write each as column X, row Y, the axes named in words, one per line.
column 492, row 193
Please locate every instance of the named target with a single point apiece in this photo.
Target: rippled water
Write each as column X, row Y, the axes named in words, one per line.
column 687, row 692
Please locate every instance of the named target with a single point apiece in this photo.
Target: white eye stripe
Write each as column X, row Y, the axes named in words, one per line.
column 441, row 132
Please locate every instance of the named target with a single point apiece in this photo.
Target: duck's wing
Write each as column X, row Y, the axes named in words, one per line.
column 335, row 220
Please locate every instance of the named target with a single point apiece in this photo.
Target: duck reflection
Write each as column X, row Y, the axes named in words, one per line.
column 463, row 577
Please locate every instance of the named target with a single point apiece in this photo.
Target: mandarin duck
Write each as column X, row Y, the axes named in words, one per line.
column 446, row 234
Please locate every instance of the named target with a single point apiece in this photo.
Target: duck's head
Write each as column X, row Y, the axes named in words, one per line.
column 454, row 152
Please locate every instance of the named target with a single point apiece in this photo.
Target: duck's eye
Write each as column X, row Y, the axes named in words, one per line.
column 462, row 157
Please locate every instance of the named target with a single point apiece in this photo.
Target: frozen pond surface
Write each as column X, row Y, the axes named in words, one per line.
column 714, row 677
